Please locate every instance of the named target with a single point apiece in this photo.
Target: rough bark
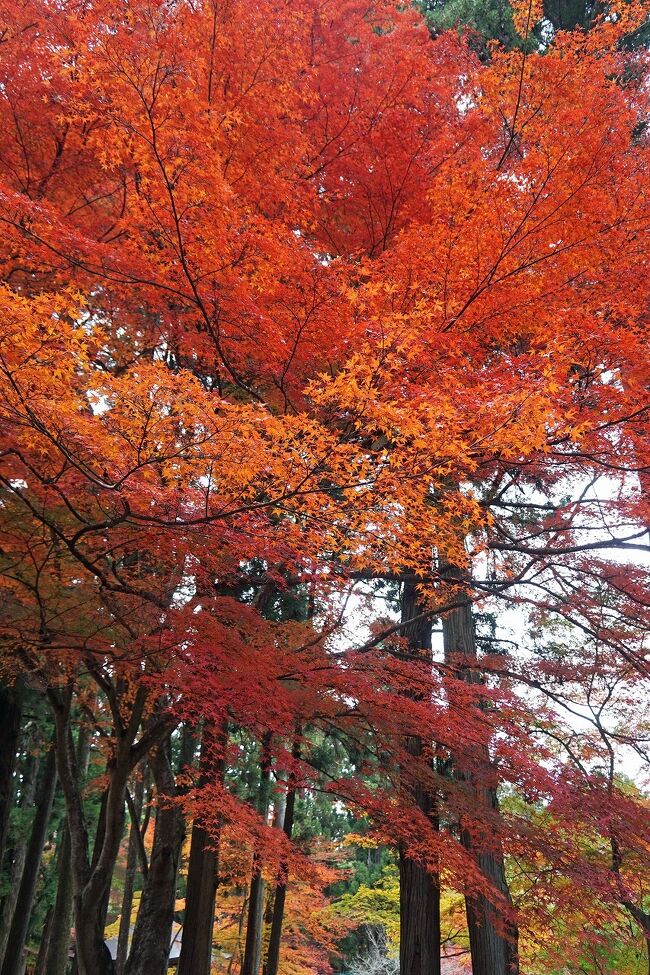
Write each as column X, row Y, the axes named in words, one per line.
column 56, row 961
column 254, row 923
column 255, row 920
column 129, row 878
column 10, row 715
column 92, row 879
column 90, row 946
column 149, row 953
column 492, row 953
column 419, row 906
column 493, row 937
column 203, row 870
column 200, row 896
column 13, row 961
column 19, row 852
column 89, row 884
column 280, row 895
column 45, row 943
column 419, row 888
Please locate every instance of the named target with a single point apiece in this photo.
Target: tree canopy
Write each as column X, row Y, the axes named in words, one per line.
column 324, row 330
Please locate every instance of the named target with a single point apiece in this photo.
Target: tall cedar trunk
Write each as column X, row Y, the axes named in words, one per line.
column 56, row 961
column 492, row 952
column 255, row 921
column 277, row 822
column 129, row 879
column 280, row 895
column 45, row 942
column 202, row 873
column 10, row 715
column 27, row 793
column 419, row 950
column 153, row 928
column 13, row 962
column 255, row 916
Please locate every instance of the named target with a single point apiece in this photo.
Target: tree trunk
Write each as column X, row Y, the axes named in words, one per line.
column 149, row 953
column 45, row 943
column 92, row 880
column 202, row 874
column 641, row 917
column 56, row 962
column 28, row 791
column 13, row 961
column 92, row 906
column 200, row 896
column 129, row 879
column 91, row 899
column 419, row 950
column 10, row 715
column 419, row 907
column 280, row 896
column 492, row 953
column 493, row 938
column 255, row 921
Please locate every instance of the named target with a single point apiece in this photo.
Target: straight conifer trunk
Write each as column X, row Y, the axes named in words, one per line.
column 59, row 941
column 280, row 896
column 14, row 960
column 492, row 952
column 45, row 942
column 255, row 923
column 419, row 908
column 19, row 852
column 10, row 716
column 56, row 960
column 203, row 870
column 196, row 947
column 129, row 879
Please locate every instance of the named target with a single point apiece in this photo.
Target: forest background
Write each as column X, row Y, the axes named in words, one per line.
column 324, row 469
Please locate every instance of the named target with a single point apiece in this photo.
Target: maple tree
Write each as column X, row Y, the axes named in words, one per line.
column 296, row 300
